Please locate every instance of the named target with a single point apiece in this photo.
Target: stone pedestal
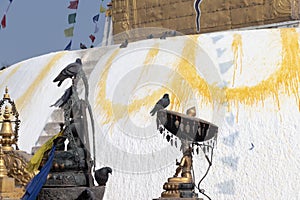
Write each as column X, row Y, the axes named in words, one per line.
column 69, row 193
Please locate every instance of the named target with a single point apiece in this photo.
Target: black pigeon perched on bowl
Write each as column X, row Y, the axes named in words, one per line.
column 69, row 71
column 101, row 175
column 161, row 104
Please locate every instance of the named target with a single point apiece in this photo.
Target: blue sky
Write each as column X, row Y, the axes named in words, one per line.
column 36, row 27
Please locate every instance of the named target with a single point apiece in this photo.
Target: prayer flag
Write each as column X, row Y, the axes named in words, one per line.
column 35, row 185
column 71, row 18
column 73, row 5
column 96, row 18
column 96, row 29
column 36, row 159
column 69, row 31
column 92, row 37
column 3, row 21
column 102, row 9
column 68, row 47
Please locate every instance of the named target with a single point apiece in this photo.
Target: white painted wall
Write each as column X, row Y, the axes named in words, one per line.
column 126, row 138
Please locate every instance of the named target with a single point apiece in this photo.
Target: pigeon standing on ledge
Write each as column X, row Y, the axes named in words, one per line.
column 82, row 46
column 69, row 72
column 124, row 44
column 150, row 36
column 164, row 35
column 161, row 104
column 101, row 175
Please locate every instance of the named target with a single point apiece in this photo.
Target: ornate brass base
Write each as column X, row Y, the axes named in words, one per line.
column 179, row 187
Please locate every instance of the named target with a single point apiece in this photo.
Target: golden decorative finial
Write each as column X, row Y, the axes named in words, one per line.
column 7, row 131
column 3, row 170
column 6, row 95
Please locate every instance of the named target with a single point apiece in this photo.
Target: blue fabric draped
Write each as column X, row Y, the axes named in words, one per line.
column 35, row 185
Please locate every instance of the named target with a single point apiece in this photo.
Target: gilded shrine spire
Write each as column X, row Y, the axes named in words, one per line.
column 9, row 123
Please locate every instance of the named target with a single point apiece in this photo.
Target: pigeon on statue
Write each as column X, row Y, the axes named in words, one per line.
column 64, row 99
column 69, row 72
column 82, row 46
column 161, row 104
column 101, row 175
column 124, row 44
column 87, row 194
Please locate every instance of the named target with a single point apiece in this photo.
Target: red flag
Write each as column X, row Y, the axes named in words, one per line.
column 92, row 37
column 73, row 4
column 3, row 21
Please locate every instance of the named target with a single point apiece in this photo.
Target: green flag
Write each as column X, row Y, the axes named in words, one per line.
column 102, row 9
column 72, row 18
column 69, row 31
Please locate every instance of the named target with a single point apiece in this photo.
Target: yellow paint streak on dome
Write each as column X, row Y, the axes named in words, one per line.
column 102, row 101
column 114, row 112
column 285, row 79
column 10, row 74
column 27, row 95
column 150, row 58
column 237, row 48
column 186, row 81
column 190, row 81
column 153, row 97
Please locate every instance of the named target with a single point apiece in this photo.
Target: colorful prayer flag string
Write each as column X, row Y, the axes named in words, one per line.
column 69, row 32
column 95, row 21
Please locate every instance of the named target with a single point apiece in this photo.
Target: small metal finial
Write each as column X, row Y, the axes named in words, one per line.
column 6, row 95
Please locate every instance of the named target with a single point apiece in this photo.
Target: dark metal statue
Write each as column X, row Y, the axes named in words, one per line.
column 71, row 168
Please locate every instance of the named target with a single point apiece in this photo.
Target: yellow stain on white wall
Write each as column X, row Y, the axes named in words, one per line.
column 10, row 74
column 27, row 95
column 285, row 80
column 186, row 81
column 237, row 48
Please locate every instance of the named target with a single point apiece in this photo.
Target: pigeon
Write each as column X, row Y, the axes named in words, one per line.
column 164, row 35
column 68, row 72
column 150, row 36
column 124, row 44
column 64, row 99
column 86, row 194
column 101, row 175
column 172, row 33
column 161, row 104
column 82, row 46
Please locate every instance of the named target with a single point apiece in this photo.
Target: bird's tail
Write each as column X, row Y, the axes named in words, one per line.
column 59, row 84
column 153, row 111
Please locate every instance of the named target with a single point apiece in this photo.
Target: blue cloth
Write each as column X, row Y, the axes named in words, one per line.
column 35, row 185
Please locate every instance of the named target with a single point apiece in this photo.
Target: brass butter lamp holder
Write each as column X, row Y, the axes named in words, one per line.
column 195, row 135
